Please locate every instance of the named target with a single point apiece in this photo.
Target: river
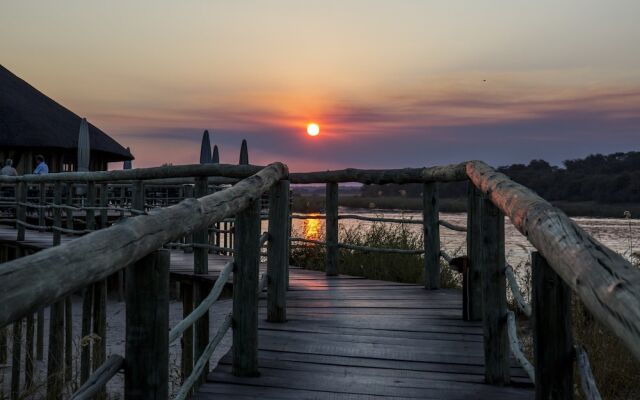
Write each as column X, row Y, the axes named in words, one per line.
column 621, row 235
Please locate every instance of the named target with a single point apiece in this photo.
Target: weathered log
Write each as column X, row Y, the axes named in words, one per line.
column 447, row 173
column 50, row 274
column 245, row 291
column 277, row 258
column 517, row 294
column 147, row 332
column 331, row 227
column 99, row 379
column 366, row 249
column 552, row 338
column 203, row 361
column 494, row 296
column 607, row 284
column 431, row 235
column 204, row 306
column 588, row 382
column 516, row 349
column 453, row 227
column 173, row 171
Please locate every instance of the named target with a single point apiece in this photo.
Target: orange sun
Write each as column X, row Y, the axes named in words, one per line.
column 313, row 129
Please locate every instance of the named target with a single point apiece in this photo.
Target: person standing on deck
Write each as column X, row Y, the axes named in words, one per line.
column 41, row 166
column 8, row 169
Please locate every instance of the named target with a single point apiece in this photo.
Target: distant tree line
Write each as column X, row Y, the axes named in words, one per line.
column 613, row 178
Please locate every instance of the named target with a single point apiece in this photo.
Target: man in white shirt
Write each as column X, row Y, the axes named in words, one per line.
column 8, row 169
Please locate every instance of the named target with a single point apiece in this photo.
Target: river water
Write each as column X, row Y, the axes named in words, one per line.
column 621, row 235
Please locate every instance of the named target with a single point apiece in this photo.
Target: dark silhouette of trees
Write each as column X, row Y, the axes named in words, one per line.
column 613, row 178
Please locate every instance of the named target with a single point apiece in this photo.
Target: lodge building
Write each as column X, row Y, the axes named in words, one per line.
column 32, row 123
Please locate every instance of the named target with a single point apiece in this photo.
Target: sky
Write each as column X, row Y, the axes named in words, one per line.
column 391, row 83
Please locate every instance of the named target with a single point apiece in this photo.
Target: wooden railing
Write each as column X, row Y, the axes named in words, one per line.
column 567, row 259
column 134, row 244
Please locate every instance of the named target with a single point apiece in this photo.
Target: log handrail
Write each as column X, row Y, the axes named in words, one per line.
column 607, row 284
column 63, row 269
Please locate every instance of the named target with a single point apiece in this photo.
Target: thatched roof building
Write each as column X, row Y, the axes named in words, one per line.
column 31, row 123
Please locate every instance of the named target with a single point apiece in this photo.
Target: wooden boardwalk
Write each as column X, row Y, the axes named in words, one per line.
column 354, row 338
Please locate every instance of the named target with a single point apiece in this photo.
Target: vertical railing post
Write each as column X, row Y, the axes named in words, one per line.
column 57, row 213
column 91, row 202
column 187, row 336
column 245, row 291
column 552, row 338
column 104, row 200
column 494, row 296
column 41, row 201
column 201, row 267
column 147, row 332
column 55, row 356
column 472, row 307
column 21, row 209
column 188, row 193
column 331, row 226
column 277, row 252
column 69, row 202
column 431, row 234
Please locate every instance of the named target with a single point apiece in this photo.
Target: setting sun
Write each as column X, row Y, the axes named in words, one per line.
column 313, row 129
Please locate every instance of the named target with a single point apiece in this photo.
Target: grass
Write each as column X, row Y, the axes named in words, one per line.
column 405, row 268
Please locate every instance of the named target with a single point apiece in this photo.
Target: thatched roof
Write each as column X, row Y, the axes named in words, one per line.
column 28, row 118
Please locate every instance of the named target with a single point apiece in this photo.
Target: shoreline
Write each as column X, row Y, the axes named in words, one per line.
column 308, row 204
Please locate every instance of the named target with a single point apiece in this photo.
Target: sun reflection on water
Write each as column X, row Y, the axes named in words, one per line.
column 312, row 227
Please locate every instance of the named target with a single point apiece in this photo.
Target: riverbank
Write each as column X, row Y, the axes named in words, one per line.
column 308, row 204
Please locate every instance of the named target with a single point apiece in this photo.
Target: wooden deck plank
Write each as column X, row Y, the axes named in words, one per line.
column 353, row 338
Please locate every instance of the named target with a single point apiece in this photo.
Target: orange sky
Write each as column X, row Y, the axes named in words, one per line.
column 402, row 83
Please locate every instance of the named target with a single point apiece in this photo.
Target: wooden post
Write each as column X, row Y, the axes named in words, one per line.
column 40, row 335
column 68, row 339
column 552, row 338
column 331, row 226
column 188, row 193
column 28, row 354
column 201, row 289
column 473, row 289
column 99, row 327
column 15, row 360
column 85, row 354
column 494, row 295
column 245, row 291
column 91, row 202
column 21, row 209
column 104, row 201
column 41, row 201
column 137, row 202
column 277, row 257
column 69, row 202
column 187, row 336
column 57, row 213
column 55, row 358
column 431, row 233
column 147, row 332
